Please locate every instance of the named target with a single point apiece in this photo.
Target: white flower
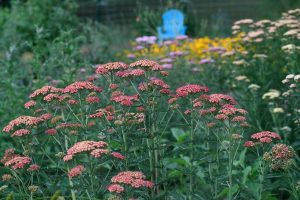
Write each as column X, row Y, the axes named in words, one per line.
column 284, row 81
column 287, row 93
column 253, row 87
column 242, row 78
column 272, row 94
column 297, row 78
column 278, row 110
column 290, row 76
column 291, row 32
column 293, row 85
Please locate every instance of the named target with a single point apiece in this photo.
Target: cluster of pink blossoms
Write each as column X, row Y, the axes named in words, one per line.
column 76, row 171
column 45, row 90
column 147, row 64
column 125, row 100
column 221, row 99
column 190, row 89
column 18, row 162
column 81, row 85
column 110, row 67
column 130, row 73
column 22, row 120
column 29, row 104
column 263, row 137
column 135, row 179
column 83, row 146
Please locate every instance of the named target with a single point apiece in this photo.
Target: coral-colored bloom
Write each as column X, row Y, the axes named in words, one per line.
column 18, row 162
column 133, row 178
column 51, row 97
column 44, row 90
column 221, row 117
column 113, row 86
column 8, row 155
column 98, row 152
column 125, row 100
column 190, row 89
column 147, row 64
column 46, row 116
column 130, row 73
column 248, row 144
column 265, row 136
column 33, row 167
column 211, row 110
column 219, row 98
column 73, row 102
column 118, row 155
column 115, row 188
column 92, row 99
column 29, row 104
column 159, row 82
column 238, row 119
column 21, row 132
column 265, row 140
column 81, row 85
column 76, row 171
column 26, row 120
column 110, row 67
column 83, row 146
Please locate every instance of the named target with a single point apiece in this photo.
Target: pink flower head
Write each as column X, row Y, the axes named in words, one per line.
column 220, row 98
column 248, row 144
column 92, row 99
column 135, row 179
column 81, row 85
column 147, row 64
column 113, row 86
column 265, row 136
column 97, row 153
column 51, row 96
column 22, row 120
column 46, row 116
column 29, row 104
column 190, row 89
column 18, row 162
column 238, row 119
column 125, row 100
column 20, row 133
column 45, row 90
column 76, row 171
column 160, row 83
column 130, row 73
column 110, row 67
column 84, row 146
column 33, row 167
column 118, row 155
column 115, row 188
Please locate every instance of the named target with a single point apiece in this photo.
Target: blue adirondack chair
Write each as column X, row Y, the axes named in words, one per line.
column 172, row 25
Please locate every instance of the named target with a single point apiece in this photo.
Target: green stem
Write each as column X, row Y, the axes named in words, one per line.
column 68, row 169
column 191, row 177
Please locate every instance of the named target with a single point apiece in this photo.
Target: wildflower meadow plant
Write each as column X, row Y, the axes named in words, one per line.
column 126, row 133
